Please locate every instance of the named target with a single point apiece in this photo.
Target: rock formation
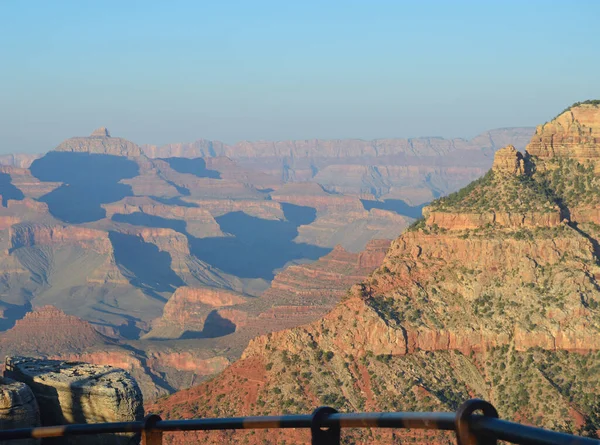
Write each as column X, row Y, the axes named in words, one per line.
column 395, row 168
column 348, row 148
column 198, row 221
column 188, row 309
column 18, row 408
column 48, row 330
column 100, row 142
column 506, row 308
column 19, row 160
column 24, row 181
column 106, row 236
column 101, row 132
column 508, row 161
column 574, row 134
column 69, row 392
column 31, row 234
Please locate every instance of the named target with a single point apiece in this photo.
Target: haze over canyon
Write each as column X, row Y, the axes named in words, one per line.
column 166, row 261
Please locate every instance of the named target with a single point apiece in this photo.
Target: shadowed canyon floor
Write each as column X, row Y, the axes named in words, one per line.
column 177, row 256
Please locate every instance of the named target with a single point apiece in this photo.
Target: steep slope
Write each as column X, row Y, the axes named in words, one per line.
column 493, row 294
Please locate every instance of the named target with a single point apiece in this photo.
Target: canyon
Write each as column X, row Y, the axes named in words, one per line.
column 492, row 294
column 167, row 261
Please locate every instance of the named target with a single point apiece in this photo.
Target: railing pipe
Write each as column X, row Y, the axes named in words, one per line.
column 524, row 434
column 71, row 430
column 434, row 421
column 443, row 421
column 325, row 424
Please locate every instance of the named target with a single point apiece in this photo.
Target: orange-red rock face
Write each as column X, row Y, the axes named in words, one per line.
column 207, row 296
column 299, row 294
column 574, row 134
column 188, row 307
column 49, row 330
column 326, row 280
column 373, row 255
column 187, row 361
column 463, row 221
column 41, row 234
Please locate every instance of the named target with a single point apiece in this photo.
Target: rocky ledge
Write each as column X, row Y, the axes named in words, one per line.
column 18, row 407
column 74, row 392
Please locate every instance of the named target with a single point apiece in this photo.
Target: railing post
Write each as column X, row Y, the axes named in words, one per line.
column 464, row 435
column 150, row 436
column 329, row 436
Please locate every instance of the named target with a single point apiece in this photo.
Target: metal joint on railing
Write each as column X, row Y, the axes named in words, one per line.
column 150, row 435
column 320, row 436
column 464, row 434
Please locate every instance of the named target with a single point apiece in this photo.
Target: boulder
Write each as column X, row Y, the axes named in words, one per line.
column 18, row 408
column 75, row 392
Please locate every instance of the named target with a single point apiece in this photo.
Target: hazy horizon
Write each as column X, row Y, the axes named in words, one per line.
column 258, row 140
column 160, row 73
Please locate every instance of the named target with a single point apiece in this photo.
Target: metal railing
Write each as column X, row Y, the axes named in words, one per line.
column 325, row 424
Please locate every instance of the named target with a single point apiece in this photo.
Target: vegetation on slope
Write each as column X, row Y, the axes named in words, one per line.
column 551, row 389
column 500, row 295
column 593, row 102
column 572, row 183
column 500, row 193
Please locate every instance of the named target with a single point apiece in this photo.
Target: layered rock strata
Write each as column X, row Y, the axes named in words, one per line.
column 54, row 331
column 503, row 309
column 574, row 134
column 100, row 142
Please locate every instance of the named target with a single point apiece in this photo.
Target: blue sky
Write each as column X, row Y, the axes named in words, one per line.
column 158, row 72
